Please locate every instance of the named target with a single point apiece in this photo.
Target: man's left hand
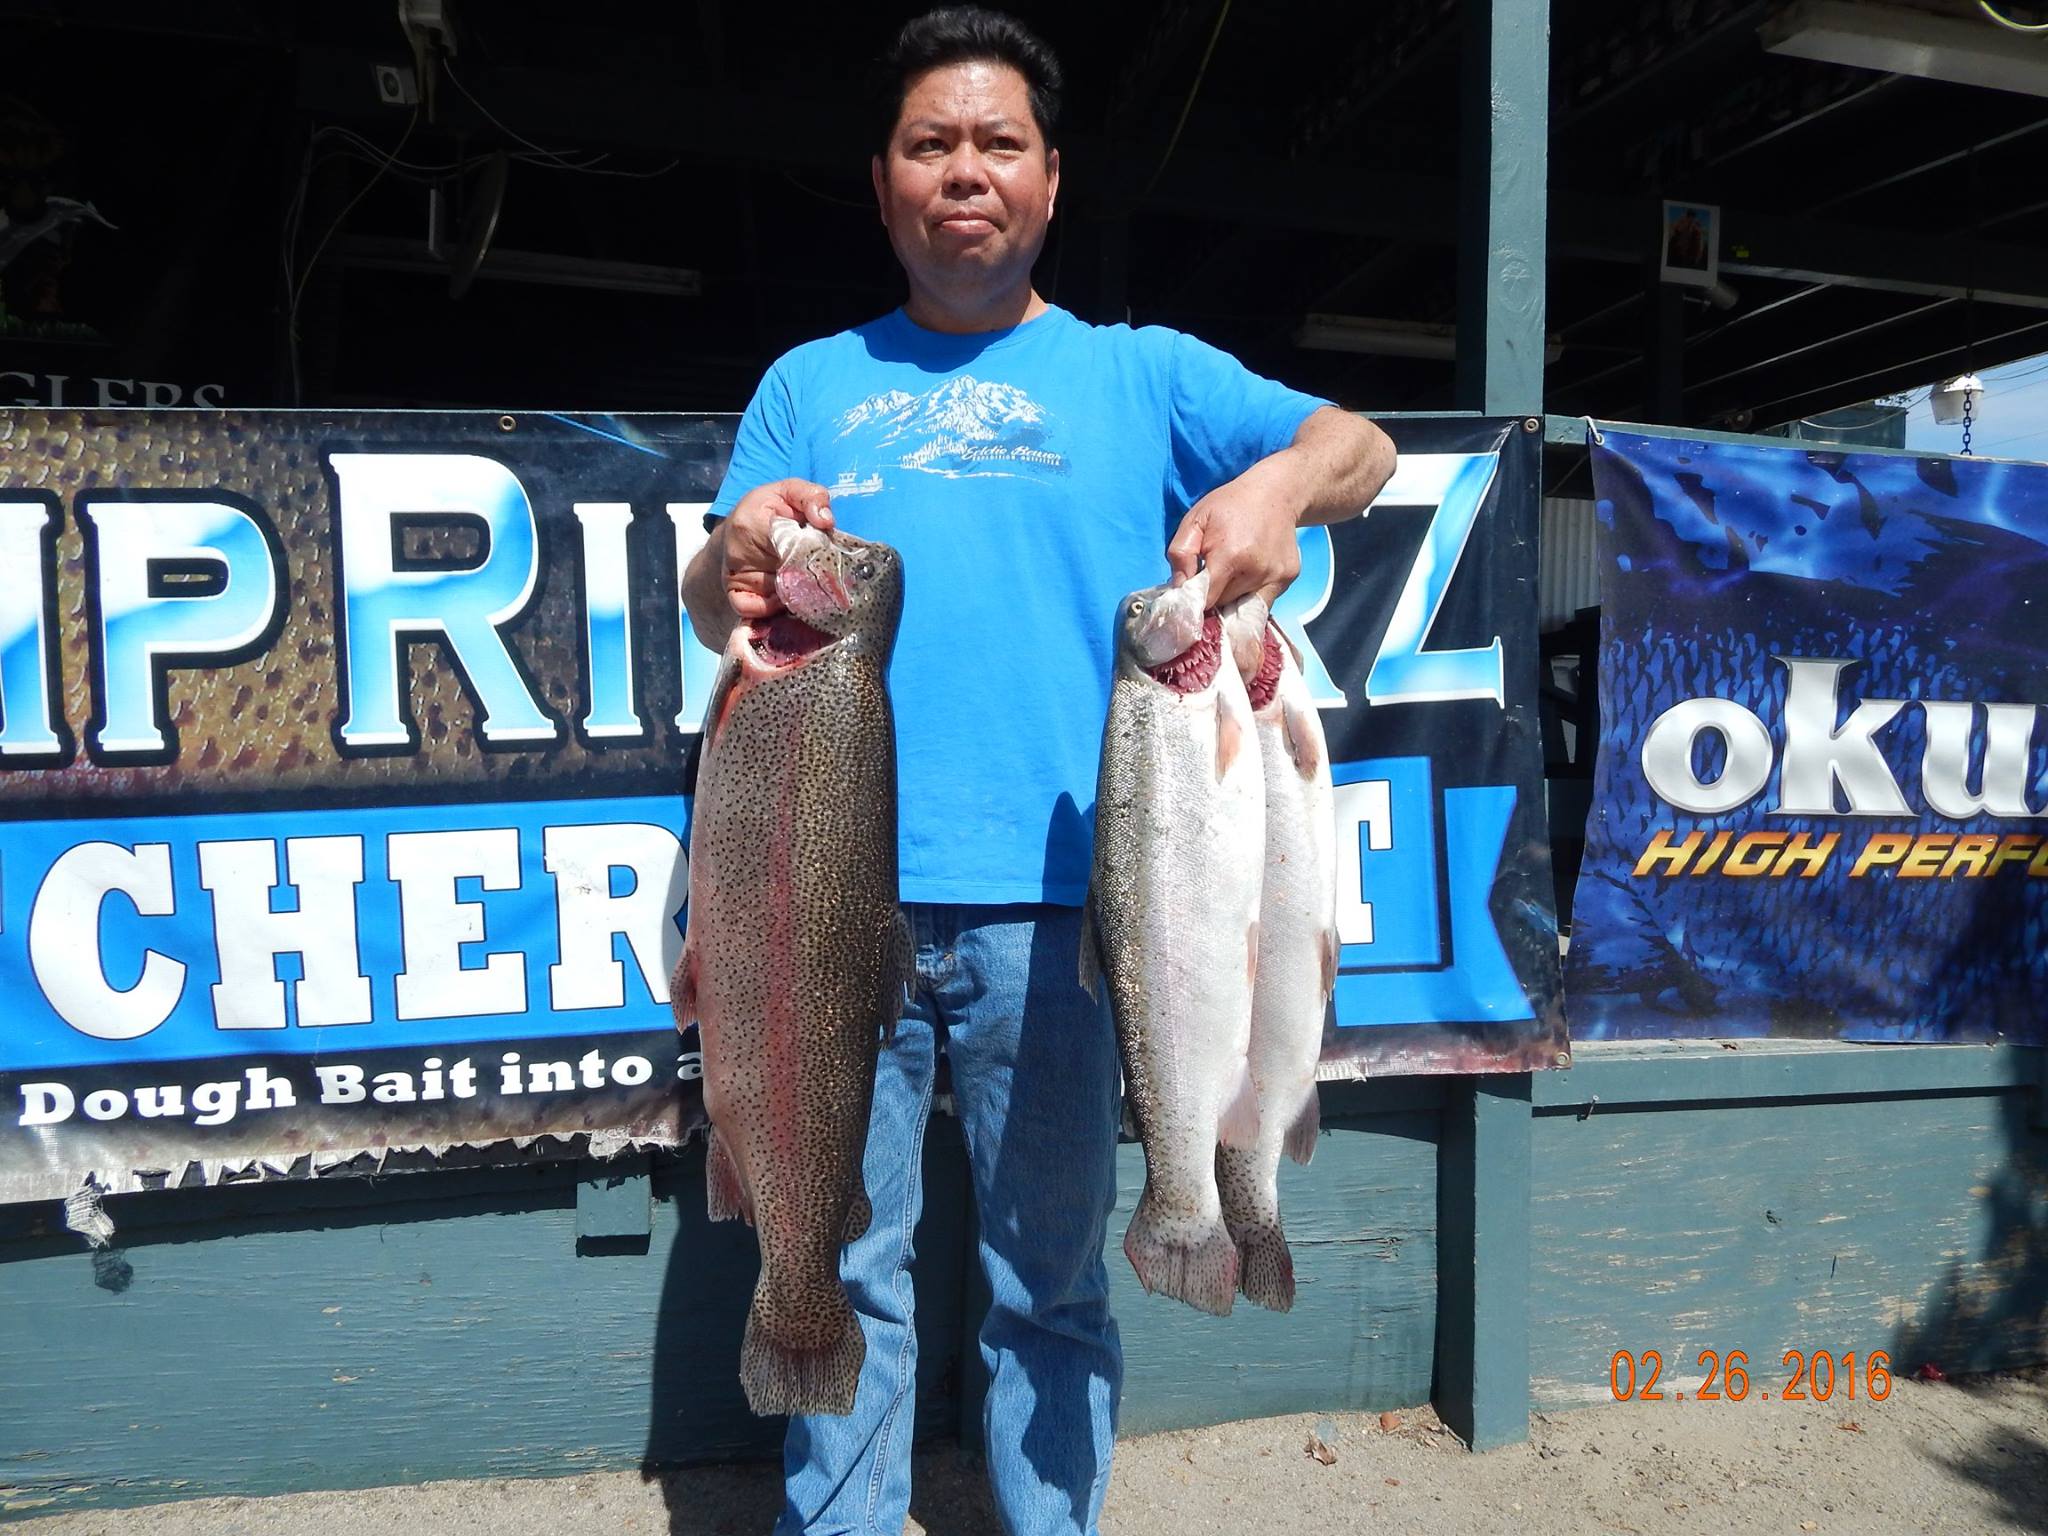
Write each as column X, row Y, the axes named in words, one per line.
column 1243, row 532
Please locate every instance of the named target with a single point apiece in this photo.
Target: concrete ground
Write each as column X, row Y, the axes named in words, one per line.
column 1963, row 1457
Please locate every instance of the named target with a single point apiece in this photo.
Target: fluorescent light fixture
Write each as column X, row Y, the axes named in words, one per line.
column 1866, row 35
column 1388, row 338
column 529, row 267
column 1954, row 398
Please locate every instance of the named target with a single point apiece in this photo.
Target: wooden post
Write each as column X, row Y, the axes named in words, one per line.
column 1483, row 1190
column 1503, row 189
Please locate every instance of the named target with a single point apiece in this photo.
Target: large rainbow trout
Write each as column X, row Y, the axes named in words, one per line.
column 795, row 953
column 1297, row 951
column 1172, row 922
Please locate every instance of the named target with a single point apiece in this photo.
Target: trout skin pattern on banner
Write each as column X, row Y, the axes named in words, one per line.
column 796, row 954
column 1172, row 923
column 1297, row 951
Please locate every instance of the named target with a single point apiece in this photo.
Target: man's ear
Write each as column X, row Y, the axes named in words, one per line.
column 876, row 175
column 1052, row 180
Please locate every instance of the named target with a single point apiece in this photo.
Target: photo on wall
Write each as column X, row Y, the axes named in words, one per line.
column 1691, row 245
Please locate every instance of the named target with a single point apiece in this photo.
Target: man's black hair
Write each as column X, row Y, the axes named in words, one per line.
column 962, row 34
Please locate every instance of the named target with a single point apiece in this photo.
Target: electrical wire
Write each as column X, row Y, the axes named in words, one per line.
column 826, row 197
column 543, row 156
column 1188, row 106
column 296, row 285
column 2007, row 22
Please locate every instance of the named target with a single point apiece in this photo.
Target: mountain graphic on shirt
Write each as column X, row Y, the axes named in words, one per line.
column 962, row 427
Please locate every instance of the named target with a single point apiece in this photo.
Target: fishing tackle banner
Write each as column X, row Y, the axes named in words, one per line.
column 341, row 767
column 1420, row 628
column 340, row 789
column 1821, row 781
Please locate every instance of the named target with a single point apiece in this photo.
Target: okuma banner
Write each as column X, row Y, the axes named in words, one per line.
column 1818, row 805
column 341, row 767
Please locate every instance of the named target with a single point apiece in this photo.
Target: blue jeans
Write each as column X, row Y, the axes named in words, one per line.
column 1034, row 1069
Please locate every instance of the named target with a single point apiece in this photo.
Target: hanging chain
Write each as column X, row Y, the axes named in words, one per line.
column 1969, row 418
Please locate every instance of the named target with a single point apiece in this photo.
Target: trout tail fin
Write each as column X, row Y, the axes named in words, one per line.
column 1190, row 1260
column 1265, row 1266
column 802, row 1377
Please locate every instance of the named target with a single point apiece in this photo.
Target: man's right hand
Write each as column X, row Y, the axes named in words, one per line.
column 749, row 560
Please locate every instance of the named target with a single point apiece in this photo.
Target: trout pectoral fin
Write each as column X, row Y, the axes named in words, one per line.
column 1229, row 740
column 1301, row 742
column 682, row 989
column 1091, row 955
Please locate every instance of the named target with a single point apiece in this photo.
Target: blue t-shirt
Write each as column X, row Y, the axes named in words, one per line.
column 1030, row 477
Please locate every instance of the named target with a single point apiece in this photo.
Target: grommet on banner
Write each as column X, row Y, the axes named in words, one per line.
column 1593, row 431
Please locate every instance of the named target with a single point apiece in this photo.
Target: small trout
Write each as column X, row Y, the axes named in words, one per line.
column 1172, row 923
column 795, row 952
column 1297, row 950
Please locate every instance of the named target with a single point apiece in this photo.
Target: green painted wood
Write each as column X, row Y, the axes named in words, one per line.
column 1361, row 1221
column 1606, row 1075
column 422, row 1326
column 616, row 1207
column 1917, row 1225
column 1503, row 205
column 1482, row 1376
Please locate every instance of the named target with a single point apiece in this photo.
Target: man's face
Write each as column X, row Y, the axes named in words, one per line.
column 967, row 187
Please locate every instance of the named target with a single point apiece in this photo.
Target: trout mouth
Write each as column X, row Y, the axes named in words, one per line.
column 783, row 641
column 1265, row 682
column 1194, row 668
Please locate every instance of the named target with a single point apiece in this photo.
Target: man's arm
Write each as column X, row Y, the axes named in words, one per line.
column 732, row 578
column 1243, row 531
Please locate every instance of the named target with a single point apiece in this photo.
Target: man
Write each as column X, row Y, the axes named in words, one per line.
column 1029, row 468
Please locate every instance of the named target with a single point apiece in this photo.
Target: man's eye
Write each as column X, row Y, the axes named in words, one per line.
column 926, row 147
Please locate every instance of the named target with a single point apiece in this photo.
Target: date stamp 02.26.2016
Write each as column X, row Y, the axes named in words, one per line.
column 1820, row 1376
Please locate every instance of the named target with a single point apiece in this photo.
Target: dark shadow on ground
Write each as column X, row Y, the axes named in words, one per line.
column 951, row 1497
column 1990, row 1313
column 698, row 1416
column 2011, row 1466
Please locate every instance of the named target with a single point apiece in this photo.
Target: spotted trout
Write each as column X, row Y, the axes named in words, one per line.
column 1172, row 924
column 795, row 952
column 1297, row 950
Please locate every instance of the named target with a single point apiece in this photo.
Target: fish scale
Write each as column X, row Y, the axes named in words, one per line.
column 796, row 952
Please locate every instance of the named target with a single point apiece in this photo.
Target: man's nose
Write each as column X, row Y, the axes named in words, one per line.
column 966, row 170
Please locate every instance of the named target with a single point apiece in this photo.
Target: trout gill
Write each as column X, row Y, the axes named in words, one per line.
column 795, row 952
column 1297, row 951
column 1172, row 924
